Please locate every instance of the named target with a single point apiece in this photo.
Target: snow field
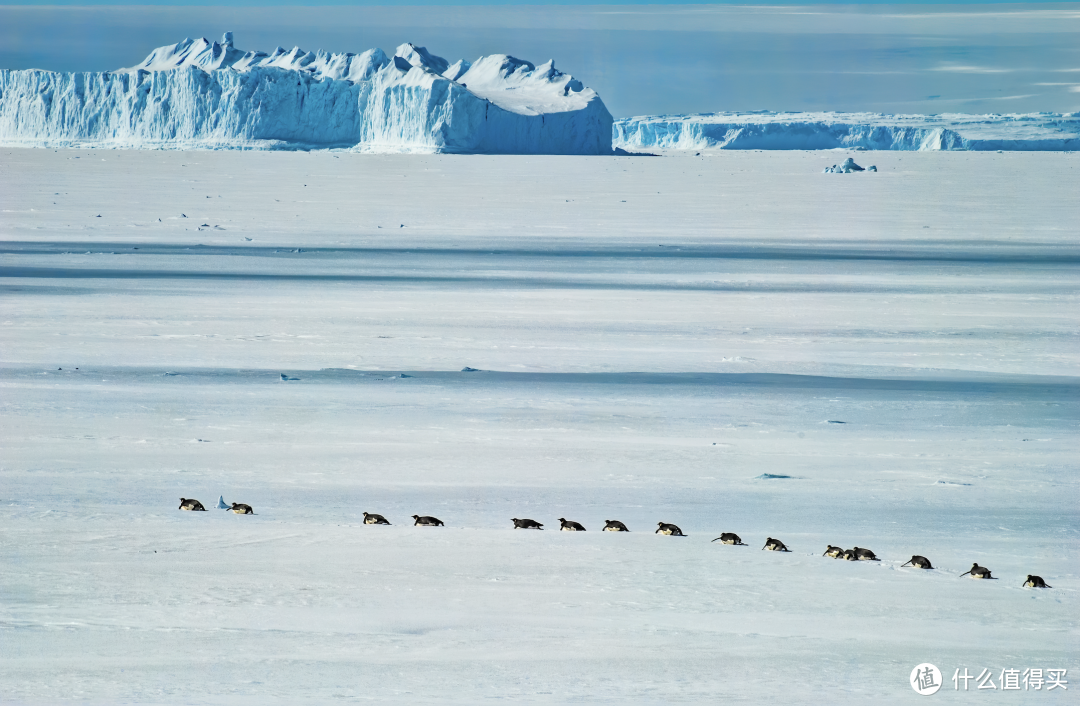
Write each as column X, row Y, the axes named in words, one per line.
column 615, row 382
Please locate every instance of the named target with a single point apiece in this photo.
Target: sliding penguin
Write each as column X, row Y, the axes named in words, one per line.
column 848, row 555
column 191, row 505
column 370, row 518
column 919, row 562
column 834, row 552
column 775, row 545
column 614, row 526
column 669, row 529
column 865, row 554
column 527, row 524
column 1035, row 582
column 730, row 538
column 978, row 572
column 242, row 509
column 426, row 521
column 570, row 526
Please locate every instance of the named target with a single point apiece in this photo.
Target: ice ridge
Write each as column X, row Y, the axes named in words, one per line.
column 204, row 94
column 871, row 131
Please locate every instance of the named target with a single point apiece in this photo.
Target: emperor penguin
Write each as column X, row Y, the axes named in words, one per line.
column 242, row 509
column 775, row 545
column 614, row 526
column 919, row 562
column 669, row 529
column 570, row 526
column 848, row 555
column 978, row 572
column 526, row 524
column 1035, row 582
column 865, row 554
column 730, row 538
column 834, row 552
column 370, row 518
column 191, row 505
column 426, row 521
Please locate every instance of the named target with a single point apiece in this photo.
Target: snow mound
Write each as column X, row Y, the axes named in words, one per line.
column 871, row 131
column 199, row 93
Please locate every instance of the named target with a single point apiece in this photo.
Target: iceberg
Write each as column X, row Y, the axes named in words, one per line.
column 203, row 94
column 870, row 131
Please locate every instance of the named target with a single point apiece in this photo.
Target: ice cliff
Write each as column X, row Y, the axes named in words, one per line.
column 871, row 131
column 204, row 94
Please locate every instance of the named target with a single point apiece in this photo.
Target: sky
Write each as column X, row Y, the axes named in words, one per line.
column 643, row 59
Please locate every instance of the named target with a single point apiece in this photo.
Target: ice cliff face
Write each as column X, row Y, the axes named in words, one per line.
column 212, row 95
column 871, row 131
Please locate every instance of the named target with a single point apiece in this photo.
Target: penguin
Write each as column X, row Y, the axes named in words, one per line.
column 834, row 552
column 848, row 555
column 730, row 538
column 191, row 505
column 978, row 572
column 371, row 518
column 775, row 545
column 865, row 554
column 570, row 526
column 427, row 521
column 669, row 529
column 919, row 562
column 242, row 509
column 614, row 526
column 526, row 524
column 1035, row 582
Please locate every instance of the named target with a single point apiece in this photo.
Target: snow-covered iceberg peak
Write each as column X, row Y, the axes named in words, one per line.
column 200, row 93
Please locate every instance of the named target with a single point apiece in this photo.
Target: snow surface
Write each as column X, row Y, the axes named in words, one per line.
column 765, row 130
column 199, row 93
column 654, row 340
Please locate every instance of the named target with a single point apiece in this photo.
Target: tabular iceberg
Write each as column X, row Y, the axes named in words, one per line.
column 871, row 131
column 202, row 94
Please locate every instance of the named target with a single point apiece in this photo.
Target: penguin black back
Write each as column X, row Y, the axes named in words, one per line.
column 832, row 551
column 614, row 526
column 730, row 538
column 1035, row 582
column 426, row 521
column 242, row 509
column 191, row 505
column 669, row 529
column 570, row 526
column 978, row 572
column 526, row 524
column 863, row 554
column 371, row 518
column 775, row 545
column 919, row 562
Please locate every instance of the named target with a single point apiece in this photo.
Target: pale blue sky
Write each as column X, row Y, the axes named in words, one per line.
column 643, row 59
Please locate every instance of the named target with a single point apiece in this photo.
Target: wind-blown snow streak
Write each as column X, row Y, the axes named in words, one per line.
column 871, row 131
column 210, row 95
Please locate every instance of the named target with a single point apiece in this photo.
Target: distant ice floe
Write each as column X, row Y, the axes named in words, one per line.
column 203, row 94
column 869, row 131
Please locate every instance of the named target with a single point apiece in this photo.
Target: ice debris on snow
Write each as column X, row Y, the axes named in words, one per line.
column 467, row 369
column 771, row 476
column 766, row 130
column 286, row 378
column 199, row 93
column 221, row 504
